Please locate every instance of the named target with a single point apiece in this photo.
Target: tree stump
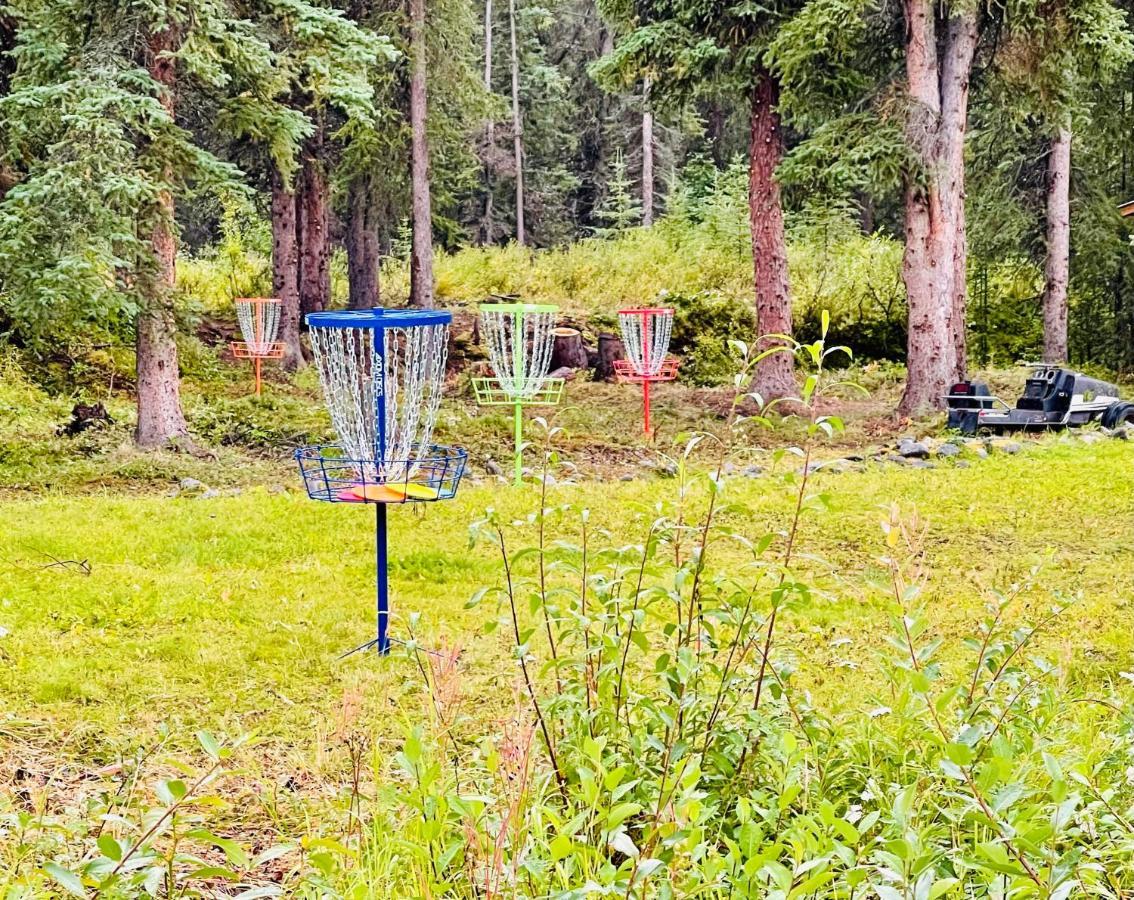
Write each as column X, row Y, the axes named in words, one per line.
column 609, row 349
column 567, row 350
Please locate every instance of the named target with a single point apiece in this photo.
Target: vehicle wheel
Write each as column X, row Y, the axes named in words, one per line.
column 1118, row 414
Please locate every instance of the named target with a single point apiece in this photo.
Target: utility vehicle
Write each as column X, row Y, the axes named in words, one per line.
column 1053, row 397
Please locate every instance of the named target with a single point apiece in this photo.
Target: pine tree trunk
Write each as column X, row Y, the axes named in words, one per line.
column 517, row 126
column 486, row 225
column 774, row 374
column 647, row 158
column 363, row 254
column 1057, row 267
column 421, row 256
column 285, row 270
column 314, row 225
column 956, row 70
column 716, row 133
column 160, row 418
column 933, row 266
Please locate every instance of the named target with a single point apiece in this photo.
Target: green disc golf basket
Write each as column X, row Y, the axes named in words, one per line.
column 519, row 338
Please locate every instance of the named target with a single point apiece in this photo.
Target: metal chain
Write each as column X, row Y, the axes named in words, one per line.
column 646, row 339
column 405, row 367
column 259, row 322
column 521, row 368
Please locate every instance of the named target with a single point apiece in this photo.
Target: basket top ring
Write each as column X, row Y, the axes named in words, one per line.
column 647, row 310
column 379, row 318
column 518, row 307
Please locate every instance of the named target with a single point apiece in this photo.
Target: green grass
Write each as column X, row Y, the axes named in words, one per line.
column 228, row 614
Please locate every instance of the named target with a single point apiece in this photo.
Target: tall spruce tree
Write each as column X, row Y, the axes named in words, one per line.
column 98, row 157
column 686, row 48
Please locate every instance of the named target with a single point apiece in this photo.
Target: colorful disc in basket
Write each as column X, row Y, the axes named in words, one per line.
column 388, row 493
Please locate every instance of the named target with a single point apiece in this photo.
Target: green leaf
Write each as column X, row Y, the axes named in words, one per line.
column 561, row 847
column 209, row 744
column 109, row 847
column 67, row 879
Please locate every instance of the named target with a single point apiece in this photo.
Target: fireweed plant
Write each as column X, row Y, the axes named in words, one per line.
column 658, row 748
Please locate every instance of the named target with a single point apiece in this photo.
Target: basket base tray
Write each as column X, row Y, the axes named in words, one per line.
column 433, row 475
column 243, row 350
column 490, row 392
column 625, row 373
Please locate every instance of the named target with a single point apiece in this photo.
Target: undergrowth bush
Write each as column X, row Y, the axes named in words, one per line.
column 856, row 278
column 274, row 422
column 659, row 748
column 658, row 744
column 703, row 325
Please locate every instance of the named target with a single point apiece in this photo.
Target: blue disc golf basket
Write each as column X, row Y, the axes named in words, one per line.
column 382, row 372
column 519, row 338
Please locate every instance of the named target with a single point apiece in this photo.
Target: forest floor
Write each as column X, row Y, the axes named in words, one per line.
column 137, row 607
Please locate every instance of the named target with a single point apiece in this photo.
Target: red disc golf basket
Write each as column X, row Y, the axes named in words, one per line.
column 645, row 335
column 259, row 320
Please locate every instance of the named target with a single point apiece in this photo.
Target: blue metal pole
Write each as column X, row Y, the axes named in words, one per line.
column 380, row 548
column 382, row 569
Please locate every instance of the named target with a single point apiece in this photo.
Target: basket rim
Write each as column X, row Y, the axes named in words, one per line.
column 272, row 350
column 440, row 452
column 340, row 479
column 378, row 318
column 550, row 386
column 646, row 310
column 625, row 372
column 518, row 307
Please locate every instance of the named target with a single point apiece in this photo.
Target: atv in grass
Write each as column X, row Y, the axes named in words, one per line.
column 1053, row 398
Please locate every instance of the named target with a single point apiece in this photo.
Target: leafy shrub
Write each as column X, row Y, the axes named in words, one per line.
column 702, row 252
column 703, row 325
column 659, row 748
column 271, row 423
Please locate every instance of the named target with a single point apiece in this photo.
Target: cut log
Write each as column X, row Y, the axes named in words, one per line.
column 609, row 349
column 567, row 351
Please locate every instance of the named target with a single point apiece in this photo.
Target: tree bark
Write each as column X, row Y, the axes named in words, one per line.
column 957, row 63
column 160, row 418
column 1057, row 266
column 567, row 350
column 933, row 266
column 775, row 374
column 313, row 230
column 609, row 349
column 716, row 133
column 363, row 253
column 421, row 255
column 486, row 225
column 647, row 158
column 285, row 270
column 517, row 126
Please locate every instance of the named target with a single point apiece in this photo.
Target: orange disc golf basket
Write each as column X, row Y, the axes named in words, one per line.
column 645, row 336
column 259, row 320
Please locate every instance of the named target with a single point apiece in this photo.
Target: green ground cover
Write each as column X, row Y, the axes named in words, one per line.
column 228, row 613
column 135, row 616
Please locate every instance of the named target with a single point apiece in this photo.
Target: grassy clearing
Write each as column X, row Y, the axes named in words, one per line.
column 131, row 619
column 228, row 614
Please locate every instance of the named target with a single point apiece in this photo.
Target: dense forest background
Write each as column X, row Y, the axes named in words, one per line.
column 161, row 156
